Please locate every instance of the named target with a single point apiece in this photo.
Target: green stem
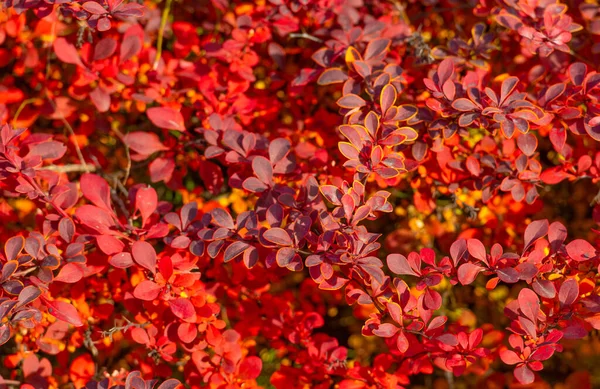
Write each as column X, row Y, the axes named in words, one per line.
column 161, row 33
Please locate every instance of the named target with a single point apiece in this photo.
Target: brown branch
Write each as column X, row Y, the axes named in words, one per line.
column 124, row 328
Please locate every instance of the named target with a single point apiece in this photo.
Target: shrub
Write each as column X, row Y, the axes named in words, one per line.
column 299, row 194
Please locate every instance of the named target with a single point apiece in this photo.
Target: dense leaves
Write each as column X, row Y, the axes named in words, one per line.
column 348, row 194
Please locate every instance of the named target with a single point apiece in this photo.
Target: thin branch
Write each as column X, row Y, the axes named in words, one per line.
column 71, row 131
column 127, row 153
column 306, row 36
column 24, row 272
column 124, row 328
column 161, row 33
column 9, row 382
column 21, row 107
column 75, row 168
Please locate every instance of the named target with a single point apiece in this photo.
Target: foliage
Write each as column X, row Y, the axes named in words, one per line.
column 291, row 194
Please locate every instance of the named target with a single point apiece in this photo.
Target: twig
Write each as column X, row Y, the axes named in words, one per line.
column 450, row 379
column 306, row 36
column 71, row 131
column 127, row 153
column 9, row 382
column 161, row 33
column 75, row 168
column 402, row 10
column 21, row 107
column 124, row 328
column 24, row 272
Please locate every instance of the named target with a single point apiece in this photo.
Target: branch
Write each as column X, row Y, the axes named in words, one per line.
column 124, row 328
column 75, row 168
column 306, row 36
column 71, row 131
column 161, row 33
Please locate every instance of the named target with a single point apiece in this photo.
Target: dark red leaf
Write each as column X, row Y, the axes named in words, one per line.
column 278, row 236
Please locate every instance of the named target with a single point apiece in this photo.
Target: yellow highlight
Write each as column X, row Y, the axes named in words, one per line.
column 554, row 276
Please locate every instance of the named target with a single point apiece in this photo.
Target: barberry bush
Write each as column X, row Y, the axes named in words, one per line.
column 299, row 194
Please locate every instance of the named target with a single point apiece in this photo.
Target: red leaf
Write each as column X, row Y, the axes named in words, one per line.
column 161, row 169
column 222, row 218
column 477, row 250
column 402, row 342
column 121, row 260
column 463, row 105
column 13, row 247
column 399, row 265
column 95, row 218
column 263, row 170
column 250, row 368
column 187, row 332
column 139, row 335
column 70, row 273
column 278, row 236
column 529, row 303
column 376, row 48
column 27, row 295
column 101, row 99
column 234, row 249
column 534, row 231
column 467, row 272
column 448, row 339
column 568, row 292
column 64, row 311
column 527, row 143
column 147, row 290
column 167, row 118
column 278, row 149
column 109, row 245
column 388, row 97
column 96, row 190
column 94, row 8
column 182, row 308
column 104, row 48
column 557, row 233
column 386, row 330
column 211, row 176
column 144, row 143
column 580, row 250
column 510, row 357
column 332, row 76
column 254, row 185
column 544, row 288
column 332, row 194
column 524, row 375
column 130, row 47
column 144, row 255
column 146, row 201
column 67, row 52
column 351, row 101
column 285, row 256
